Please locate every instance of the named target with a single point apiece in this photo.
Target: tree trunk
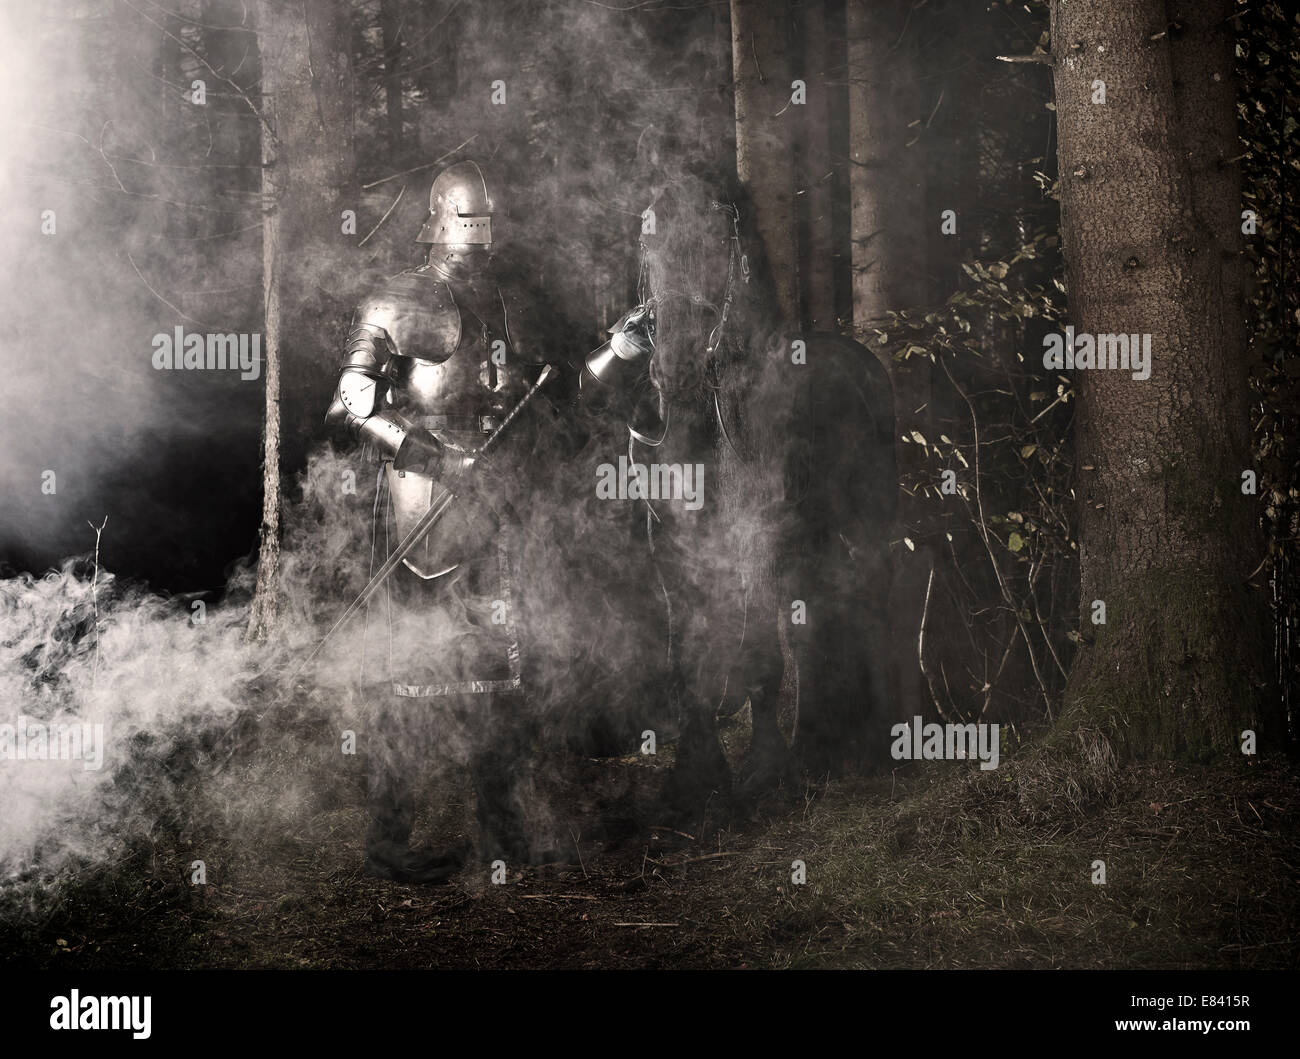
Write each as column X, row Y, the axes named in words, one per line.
column 266, row 596
column 390, row 16
column 762, row 70
column 816, row 183
column 307, row 171
column 1150, row 201
column 887, row 162
column 888, row 204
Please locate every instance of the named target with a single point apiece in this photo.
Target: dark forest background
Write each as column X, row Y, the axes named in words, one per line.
column 942, row 180
column 174, row 209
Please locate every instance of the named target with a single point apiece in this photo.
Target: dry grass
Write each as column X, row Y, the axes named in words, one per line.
column 996, row 870
column 940, row 866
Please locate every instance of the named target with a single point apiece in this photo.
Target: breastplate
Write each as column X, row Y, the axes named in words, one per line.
column 456, row 369
column 454, row 358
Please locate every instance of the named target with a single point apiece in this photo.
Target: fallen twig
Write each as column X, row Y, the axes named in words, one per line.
column 558, row 897
column 690, row 860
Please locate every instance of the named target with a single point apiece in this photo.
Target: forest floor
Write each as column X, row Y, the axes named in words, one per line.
column 923, row 869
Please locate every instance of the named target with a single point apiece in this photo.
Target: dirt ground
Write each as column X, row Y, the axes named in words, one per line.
column 936, row 867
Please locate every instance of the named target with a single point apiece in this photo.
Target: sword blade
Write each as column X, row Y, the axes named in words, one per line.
column 418, row 531
column 390, row 564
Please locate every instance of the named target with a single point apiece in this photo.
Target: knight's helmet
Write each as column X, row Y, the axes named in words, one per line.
column 460, row 209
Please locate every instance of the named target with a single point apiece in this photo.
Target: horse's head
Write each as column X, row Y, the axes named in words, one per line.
column 695, row 274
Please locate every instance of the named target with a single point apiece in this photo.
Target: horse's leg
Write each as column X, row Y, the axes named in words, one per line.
column 700, row 769
column 758, row 676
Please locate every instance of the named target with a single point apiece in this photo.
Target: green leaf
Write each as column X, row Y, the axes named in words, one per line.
column 1015, row 542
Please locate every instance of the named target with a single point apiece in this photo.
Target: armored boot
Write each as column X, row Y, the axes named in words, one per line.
column 494, row 767
column 392, row 814
column 502, row 835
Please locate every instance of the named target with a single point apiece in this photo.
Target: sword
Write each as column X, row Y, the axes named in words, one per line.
column 422, row 527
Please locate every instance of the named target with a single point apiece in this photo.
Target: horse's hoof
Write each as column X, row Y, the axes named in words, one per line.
column 686, row 792
column 768, row 766
column 413, row 866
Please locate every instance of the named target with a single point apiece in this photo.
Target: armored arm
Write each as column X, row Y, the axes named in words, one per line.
column 615, row 378
column 357, row 406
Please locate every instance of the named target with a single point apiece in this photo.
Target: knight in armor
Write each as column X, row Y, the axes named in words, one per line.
column 436, row 359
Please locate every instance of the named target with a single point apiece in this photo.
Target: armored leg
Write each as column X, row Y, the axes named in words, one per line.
column 395, row 754
column 501, row 748
column 701, row 769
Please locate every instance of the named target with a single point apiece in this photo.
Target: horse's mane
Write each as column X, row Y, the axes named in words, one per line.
column 687, row 260
column 743, row 394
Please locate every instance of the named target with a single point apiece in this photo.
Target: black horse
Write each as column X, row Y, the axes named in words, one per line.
column 795, row 436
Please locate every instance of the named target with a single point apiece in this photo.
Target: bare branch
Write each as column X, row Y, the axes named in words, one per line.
column 384, row 217
column 1041, row 57
column 427, row 165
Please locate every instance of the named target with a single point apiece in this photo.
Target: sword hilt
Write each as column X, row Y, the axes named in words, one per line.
column 547, row 372
column 425, row 523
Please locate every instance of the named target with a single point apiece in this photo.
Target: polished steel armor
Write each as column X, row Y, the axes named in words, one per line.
column 431, row 355
column 460, row 208
column 618, row 371
column 437, row 356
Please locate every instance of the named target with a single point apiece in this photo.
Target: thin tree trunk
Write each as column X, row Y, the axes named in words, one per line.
column 266, row 598
column 307, row 171
column 1150, row 201
column 816, row 178
column 888, row 203
column 761, row 63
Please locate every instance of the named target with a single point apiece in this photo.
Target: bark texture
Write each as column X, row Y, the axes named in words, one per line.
column 816, row 177
column 888, row 203
column 762, row 68
column 1150, row 203
column 307, row 172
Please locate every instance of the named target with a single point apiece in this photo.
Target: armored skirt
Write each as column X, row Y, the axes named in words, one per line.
column 449, row 619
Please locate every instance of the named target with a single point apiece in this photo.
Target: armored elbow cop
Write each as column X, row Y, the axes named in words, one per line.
column 616, row 377
column 623, row 360
column 355, row 408
column 409, row 446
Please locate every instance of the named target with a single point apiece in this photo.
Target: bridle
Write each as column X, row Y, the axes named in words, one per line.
column 737, row 262
column 735, row 258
